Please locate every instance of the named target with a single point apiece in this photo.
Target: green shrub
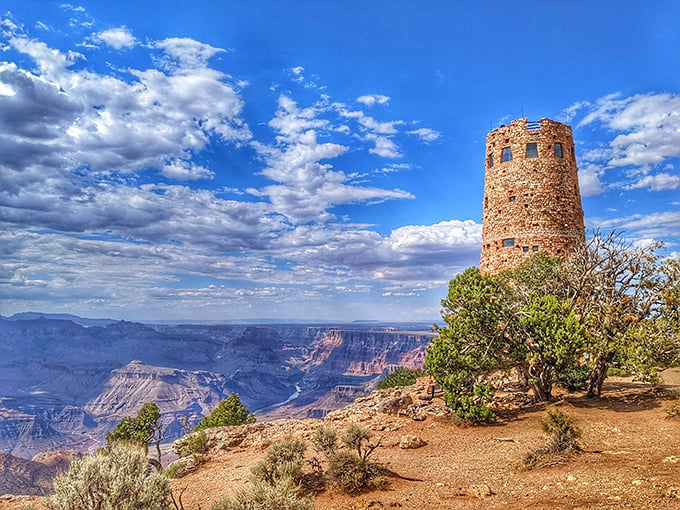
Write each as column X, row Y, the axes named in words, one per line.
column 325, row 440
column 117, row 478
column 562, row 438
column 175, row 470
column 284, row 495
column 229, row 411
column 196, row 442
column 284, row 459
column 617, row 372
column 574, row 378
column 400, row 377
column 276, row 481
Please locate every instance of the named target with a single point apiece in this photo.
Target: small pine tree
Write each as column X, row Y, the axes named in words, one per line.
column 144, row 429
column 400, row 377
column 229, row 411
column 562, row 438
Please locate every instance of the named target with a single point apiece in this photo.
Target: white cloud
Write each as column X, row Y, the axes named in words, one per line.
column 120, row 38
column 185, row 55
column 82, row 154
column 589, row 179
column 370, row 100
column 645, row 226
column 104, row 123
column 308, row 188
column 658, row 182
column 298, row 72
column 570, row 112
column 650, row 126
column 183, row 170
column 425, row 134
column 384, row 146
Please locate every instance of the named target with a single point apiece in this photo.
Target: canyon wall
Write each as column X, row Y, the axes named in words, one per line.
column 64, row 385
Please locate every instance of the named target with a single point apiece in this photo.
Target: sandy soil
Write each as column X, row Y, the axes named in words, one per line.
column 631, row 459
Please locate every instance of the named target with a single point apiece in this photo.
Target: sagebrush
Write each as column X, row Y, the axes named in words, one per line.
column 116, row 478
column 276, row 481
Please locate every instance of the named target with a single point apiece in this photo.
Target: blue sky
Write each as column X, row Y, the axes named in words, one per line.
column 303, row 159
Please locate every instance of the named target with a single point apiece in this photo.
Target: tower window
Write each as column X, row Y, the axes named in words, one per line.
column 558, row 150
column 512, row 198
column 534, row 248
column 525, row 249
column 490, row 160
column 532, row 150
column 506, row 155
column 508, row 243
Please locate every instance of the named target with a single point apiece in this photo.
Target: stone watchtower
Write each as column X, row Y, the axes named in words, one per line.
column 532, row 201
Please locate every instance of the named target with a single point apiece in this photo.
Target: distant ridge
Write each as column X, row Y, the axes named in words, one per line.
column 81, row 321
column 103, row 322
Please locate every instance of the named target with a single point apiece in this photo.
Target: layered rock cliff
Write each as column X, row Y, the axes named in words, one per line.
column 64, row 385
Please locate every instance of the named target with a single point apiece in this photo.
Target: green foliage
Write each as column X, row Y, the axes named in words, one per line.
column 284, row 459
column 117, row 478
column 552, row 340
column 627, row 300
column 574, row 378
column 230, row 411
column 499, row 322
column 562, row 438
column 400, row 377
column 276, row 481
column 282, row 496
column 609, row 301
column 194, row 443
column 473, row 343
column 325, row 440
column 142, row 429
column 175, row 470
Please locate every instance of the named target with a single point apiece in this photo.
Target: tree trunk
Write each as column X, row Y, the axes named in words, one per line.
column 598, row 375
column 539, row 378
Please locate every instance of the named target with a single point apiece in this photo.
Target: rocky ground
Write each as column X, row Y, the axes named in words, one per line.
column 630, row 458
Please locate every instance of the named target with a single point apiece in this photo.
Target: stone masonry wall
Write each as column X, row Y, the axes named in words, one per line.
column 531, row 204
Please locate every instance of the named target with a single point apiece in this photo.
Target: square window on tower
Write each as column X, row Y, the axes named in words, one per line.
column 506, row 155
column 508, row 243
column 558, row 150
column 490, row 160
column 532, row 150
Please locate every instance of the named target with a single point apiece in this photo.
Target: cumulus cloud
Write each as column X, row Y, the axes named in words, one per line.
column 645, row 226
column 589, row 179
column 658, row 182
column 100, row 189
column 185, row 55
column 104, row 123
column 120, row 38
column 307, row 187
column 649, row 127
column 370, row 100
